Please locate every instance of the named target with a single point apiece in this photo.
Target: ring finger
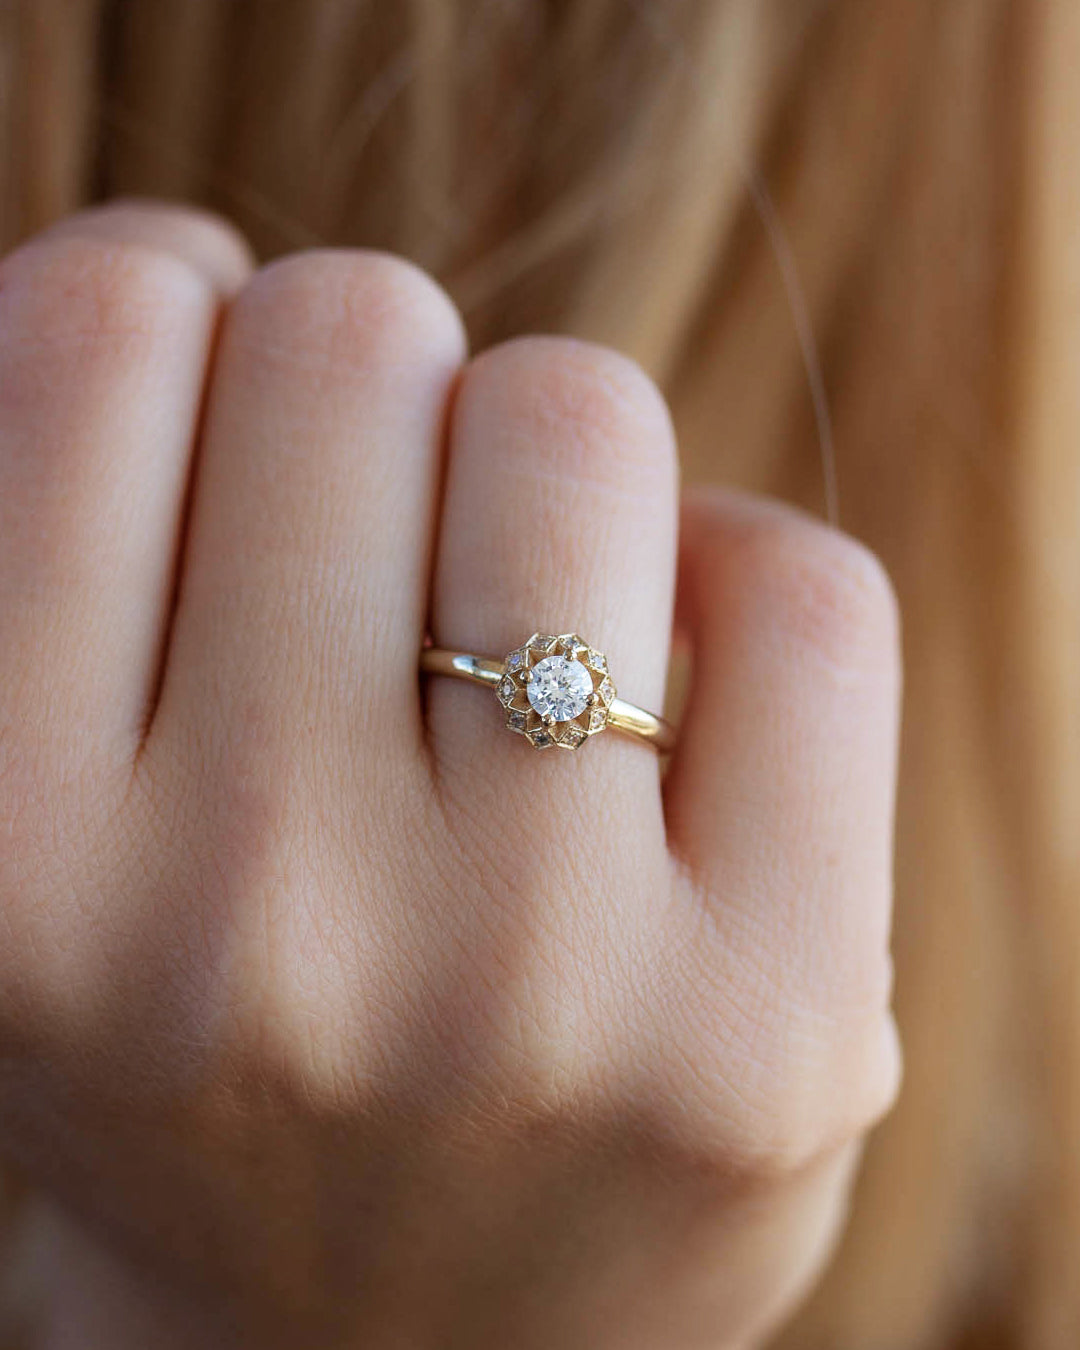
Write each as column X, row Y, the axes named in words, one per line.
column 559, row 516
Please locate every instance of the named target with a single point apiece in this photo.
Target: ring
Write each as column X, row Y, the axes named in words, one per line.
column 555, row 691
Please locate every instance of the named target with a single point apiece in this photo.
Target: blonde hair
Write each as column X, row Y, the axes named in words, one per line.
column 703, row 184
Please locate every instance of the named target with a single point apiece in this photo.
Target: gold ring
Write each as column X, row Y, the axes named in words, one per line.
column 555, row 691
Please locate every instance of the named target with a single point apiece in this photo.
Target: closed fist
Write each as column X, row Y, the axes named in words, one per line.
column 332, row 1014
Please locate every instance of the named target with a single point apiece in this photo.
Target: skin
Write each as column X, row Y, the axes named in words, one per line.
column 331, row 1014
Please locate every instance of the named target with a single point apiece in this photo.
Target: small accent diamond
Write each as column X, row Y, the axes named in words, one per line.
column 517, row 721
column 513, row 661
column 542, row 641
column 507, row 690
column 597, row 660
column 597, row 718
column 572, row 736
column 607, row 690
column 541, row 739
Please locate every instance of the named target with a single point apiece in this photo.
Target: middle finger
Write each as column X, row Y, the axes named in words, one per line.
column 304, row 592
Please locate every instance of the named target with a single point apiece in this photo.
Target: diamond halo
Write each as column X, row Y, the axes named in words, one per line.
column 556, row 691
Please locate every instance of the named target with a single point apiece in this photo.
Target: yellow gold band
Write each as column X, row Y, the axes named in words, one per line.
column 622, row 716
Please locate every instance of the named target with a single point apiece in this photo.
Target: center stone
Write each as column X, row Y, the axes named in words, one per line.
column 559, row 688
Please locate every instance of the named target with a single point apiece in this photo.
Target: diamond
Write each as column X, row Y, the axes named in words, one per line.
column 559, row 688
column 541, row 739
column 513, row 661
column 607, row 690
column 507, row 690
column 517, row 721
column 542, row 641
column 572, row 736
column 597, row 660
column 597, row 718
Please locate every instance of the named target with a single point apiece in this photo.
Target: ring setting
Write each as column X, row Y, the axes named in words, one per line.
column 556, row 691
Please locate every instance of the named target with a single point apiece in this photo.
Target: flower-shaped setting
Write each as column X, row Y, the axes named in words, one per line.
column 556, row 691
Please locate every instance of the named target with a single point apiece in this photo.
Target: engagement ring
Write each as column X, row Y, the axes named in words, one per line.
column 556, row 690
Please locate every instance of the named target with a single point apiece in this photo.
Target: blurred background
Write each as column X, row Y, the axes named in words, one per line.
column 844, row 235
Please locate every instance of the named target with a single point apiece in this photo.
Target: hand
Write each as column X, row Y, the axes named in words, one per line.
column 332, row 1014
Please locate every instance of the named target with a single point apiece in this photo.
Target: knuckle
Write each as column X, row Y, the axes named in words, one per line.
column 594, row 413
column 783, row 1103
column 824, row 588
column 211, row 244
column 813, row 1116
column 95, row 296
column 517, row 1037
column 332, row 310
column 769, row 1084
column 205, row 231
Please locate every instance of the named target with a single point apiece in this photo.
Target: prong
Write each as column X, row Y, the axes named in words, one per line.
column 594, row 699
column 548, row 719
